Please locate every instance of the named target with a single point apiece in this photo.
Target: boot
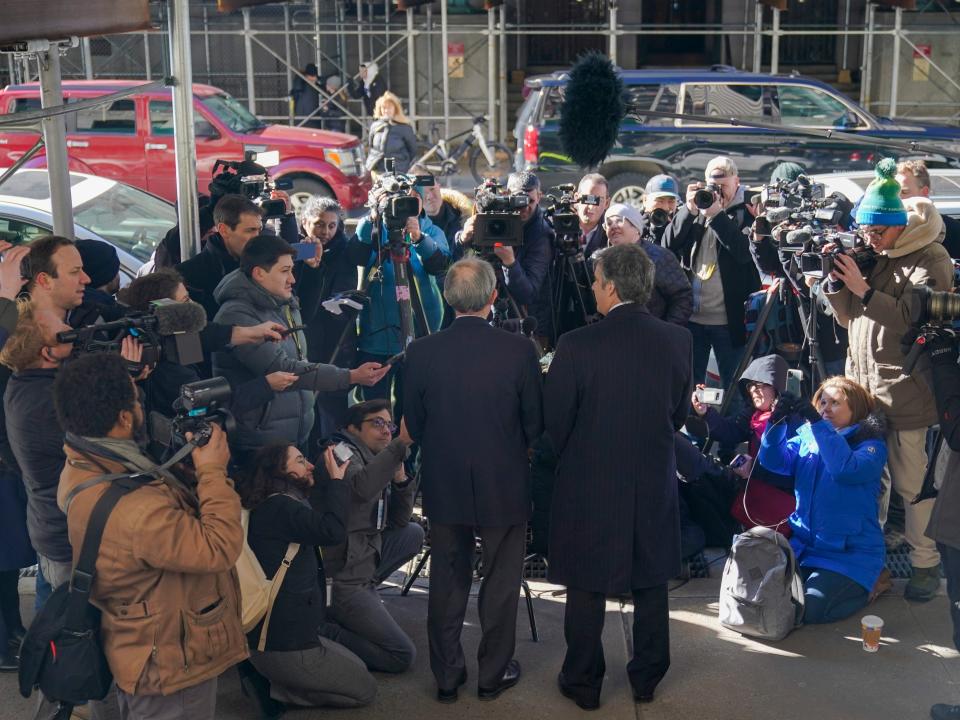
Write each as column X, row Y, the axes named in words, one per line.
column 923, row 585
column 256, row 687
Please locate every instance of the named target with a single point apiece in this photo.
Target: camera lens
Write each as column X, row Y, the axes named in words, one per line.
column 704, row 198
column 943, row 305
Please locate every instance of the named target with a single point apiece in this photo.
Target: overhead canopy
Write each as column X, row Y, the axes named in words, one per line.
column 56, row 19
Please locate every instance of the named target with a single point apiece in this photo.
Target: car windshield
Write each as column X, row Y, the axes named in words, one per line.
column 132, row 220
column 232, row 114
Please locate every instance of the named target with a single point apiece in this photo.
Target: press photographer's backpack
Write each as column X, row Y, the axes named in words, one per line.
column 761, row 593
column 61, row 652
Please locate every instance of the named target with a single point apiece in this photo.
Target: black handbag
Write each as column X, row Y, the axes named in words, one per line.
column 61, row 652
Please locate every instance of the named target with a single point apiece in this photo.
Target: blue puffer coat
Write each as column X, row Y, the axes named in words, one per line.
column 380, row 318
column 837, row 484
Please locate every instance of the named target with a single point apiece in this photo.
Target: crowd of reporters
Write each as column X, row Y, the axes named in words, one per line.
column 312, row 363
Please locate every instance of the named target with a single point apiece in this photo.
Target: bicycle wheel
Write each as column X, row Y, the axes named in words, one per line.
column 501, row 167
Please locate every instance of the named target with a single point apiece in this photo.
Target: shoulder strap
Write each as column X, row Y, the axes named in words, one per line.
column 292, row 550
column 81, row 580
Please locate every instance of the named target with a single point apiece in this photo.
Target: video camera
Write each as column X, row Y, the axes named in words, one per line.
column 564, row 219
column 390, row 196
column 250, row 178
column 170, row 329
column 200, row 405
column 819, row 263
column 498, row 216
column 930, row 313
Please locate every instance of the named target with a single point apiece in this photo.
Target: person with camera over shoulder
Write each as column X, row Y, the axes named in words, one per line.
column 474, row 439
column 380, row 537
column 165, row 581
column 875, row 307
column 615, row 519
column 592, row 235
column 709, row 240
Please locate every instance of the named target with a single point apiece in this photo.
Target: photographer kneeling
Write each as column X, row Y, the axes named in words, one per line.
column 165, row 580
column 836, row 461
column 380, row 538
column 876, row 311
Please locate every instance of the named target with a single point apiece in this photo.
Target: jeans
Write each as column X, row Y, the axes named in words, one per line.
column 717, row 337
column 830, row 596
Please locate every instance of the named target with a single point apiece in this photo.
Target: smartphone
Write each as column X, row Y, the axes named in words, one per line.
column 396, row 358
column 342, row 452
column 795, row 382
column 305, row 251
column 710, row 396
column 291, row 330
column 739, row 461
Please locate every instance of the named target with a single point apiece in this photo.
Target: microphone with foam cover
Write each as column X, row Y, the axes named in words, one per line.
column 778, row 215
column 593, row 108
column 179, row 317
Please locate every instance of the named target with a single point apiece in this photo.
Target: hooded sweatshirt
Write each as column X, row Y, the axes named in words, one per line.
column 874, row 357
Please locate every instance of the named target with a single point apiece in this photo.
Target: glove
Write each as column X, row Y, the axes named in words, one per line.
column 942, row 349
column 783, row 408
column 806, row 411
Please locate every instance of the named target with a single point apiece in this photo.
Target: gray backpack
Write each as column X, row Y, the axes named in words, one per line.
column 761, row 594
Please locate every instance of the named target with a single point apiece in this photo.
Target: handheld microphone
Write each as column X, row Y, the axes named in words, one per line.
column 593, row 108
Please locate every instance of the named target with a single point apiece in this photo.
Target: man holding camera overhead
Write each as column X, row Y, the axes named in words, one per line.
column 707, row 236
column 876, row 310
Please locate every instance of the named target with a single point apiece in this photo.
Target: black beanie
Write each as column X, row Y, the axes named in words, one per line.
column 100, row 261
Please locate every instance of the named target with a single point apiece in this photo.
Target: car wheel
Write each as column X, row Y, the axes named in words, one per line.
column 627, row 188
column 304, row 188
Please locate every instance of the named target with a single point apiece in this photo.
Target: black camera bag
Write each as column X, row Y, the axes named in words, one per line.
column 61, row 652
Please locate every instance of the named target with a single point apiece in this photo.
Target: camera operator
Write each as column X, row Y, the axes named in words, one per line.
column 672, row 298
column 525, row 270
column 380, row 538
column 660, row 198
column 165, row 580
column 876, row 311
column 914, row 179
column 712, row 248
column 593, row 237
column 380, row 336
column 262, row 289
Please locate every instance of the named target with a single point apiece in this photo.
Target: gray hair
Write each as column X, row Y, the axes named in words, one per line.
column 594, row 179
column 316, row 206
column 630, row 270
column 469, row 284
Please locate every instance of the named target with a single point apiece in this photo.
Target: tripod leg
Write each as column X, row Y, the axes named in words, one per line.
column 533, row 618
column 416, row 573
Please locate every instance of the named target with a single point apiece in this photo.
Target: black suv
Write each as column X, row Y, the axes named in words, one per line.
column 683, row 148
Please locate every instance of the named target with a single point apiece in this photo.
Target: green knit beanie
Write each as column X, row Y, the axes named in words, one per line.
column 880, row 204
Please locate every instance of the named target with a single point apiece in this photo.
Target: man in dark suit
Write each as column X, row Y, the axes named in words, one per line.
column 472, row 400
column 615, row 394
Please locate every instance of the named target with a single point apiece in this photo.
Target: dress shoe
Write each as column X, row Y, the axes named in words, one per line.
column 582, row 702
column 8, row 663
column 945, row 712
column 450, row 696
column 511, row 676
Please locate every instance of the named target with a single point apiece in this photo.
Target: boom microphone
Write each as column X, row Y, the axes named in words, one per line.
column 593, row 108
column 174, row 318
column 778, row 215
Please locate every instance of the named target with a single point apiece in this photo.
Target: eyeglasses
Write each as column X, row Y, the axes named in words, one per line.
column 381, row 424
column 874, row 230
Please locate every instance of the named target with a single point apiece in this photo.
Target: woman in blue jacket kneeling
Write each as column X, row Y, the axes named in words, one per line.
column 836, row 459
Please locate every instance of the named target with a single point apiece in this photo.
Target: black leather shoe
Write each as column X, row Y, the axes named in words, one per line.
column 450, row 696
column 583, row 703
column 511, row 676
column 9, row 663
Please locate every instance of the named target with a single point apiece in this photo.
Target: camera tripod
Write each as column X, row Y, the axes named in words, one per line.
column 569, row 275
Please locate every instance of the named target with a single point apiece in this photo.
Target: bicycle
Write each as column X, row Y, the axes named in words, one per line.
column 486, row 160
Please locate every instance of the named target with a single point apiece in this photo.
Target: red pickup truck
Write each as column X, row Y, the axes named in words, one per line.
column 131, row 140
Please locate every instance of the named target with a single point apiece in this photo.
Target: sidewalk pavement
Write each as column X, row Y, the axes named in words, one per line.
column 817, row 673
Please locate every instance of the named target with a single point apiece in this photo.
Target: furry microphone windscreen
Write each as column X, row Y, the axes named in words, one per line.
column 593, row 108
column 180, row 317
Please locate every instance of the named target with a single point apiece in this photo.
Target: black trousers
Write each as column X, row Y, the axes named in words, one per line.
column 451, row 574
column 950, row 557
column 584, row 664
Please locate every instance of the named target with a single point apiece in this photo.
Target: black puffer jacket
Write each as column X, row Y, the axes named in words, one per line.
column 37, row 442
column 391, row 140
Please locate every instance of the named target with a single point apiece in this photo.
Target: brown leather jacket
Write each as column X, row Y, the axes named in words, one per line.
column 165, row 578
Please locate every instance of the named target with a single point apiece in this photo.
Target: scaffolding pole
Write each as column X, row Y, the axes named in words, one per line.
column 286, row 48
column 757, row 37
column 87, row 58
column 492, row 117
column 184, row 142
column 775, row 43
column 502, row 75
column 55, row 140
column 612, row 38
column 866, row 70
column 433, row 108
column 248, row 56
column 444, row 38
column 411, row 69
column 895, row 70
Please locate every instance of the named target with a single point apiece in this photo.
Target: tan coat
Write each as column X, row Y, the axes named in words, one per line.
column 874, row 358
column 165, row 578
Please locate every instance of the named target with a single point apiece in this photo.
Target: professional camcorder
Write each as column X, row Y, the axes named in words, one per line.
column 564, row 219
column 498, row 216
column 169, row 330
column 250, row 178
column 391, row 198
column 818, row 263
column 199, row 406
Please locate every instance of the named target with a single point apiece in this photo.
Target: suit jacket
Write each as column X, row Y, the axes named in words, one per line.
column 616, row 392
column 472, row 399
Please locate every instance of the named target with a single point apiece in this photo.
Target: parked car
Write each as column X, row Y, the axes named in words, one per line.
column 131, row 140
column 944, row 187
column 131, row 220
column 651, row 145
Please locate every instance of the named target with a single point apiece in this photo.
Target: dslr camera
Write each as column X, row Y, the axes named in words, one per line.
column 250, row 178
column 200, row 405
column 706, row 196
column 390, row 196
column 498, row 216
column 564, row 219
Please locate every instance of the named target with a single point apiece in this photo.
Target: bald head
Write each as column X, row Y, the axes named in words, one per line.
column 470, row 285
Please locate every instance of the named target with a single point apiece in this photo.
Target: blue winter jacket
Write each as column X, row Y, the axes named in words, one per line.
column 837, row 484
column 380, row 318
